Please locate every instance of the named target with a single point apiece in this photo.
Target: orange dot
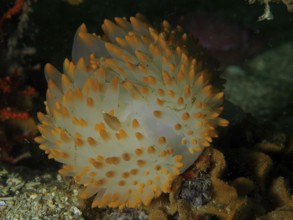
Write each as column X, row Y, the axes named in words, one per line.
column 187, row 91
column 78, row 93
column 185, row 116
column 178, row 158
column 104, row 135
column 194, row 141
column 160, row 92
column 171, row 93
column 141, row 163
column 121, row 134
column 144, row 90
column 126, row 157
column 134, row 171
column 180, row 101
column 110, row 174
column 158, row 114
column 121, row 183
column 100, row 182
column 135, row 123
column 189, row 132
column 157, row 167
column 163, row 153
column 91, row 141
column 160, row 102
column 125, row 175
column 78, row 142
column 178, row 127
column 151, row 150
column 139, row 135
column 100, row 158
column 162, row 140
column 112, row 160
column 138, row 152
column 90, row 102
column 183, row 141
column 64, row 137
column 64, row 155
column 197, row 115
column 97, row 164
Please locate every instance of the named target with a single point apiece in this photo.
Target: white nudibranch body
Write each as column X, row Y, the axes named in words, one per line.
column 130, row 113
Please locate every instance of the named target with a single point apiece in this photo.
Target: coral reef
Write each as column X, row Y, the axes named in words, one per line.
column 241, row 195
column 235, row 186
column 12, row 43
column 18, row 5
column 247, row 174
column 17, row 97
column 17, row 122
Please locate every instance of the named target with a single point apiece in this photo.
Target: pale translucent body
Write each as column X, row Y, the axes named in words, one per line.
column 129, row 114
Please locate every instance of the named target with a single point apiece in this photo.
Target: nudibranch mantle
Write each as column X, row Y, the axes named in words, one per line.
column 130, row 113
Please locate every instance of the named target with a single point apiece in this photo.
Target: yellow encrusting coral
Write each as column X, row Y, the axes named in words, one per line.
column 130, row 113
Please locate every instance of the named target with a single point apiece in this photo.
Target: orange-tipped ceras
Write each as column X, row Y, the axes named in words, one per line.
column 130, row 113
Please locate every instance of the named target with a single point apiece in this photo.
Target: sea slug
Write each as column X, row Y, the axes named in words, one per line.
column 130, row 113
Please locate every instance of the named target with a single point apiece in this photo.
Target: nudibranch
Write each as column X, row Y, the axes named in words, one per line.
column 129, row 113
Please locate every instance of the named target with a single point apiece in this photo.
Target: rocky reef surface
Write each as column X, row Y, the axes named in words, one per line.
column 247, row 174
